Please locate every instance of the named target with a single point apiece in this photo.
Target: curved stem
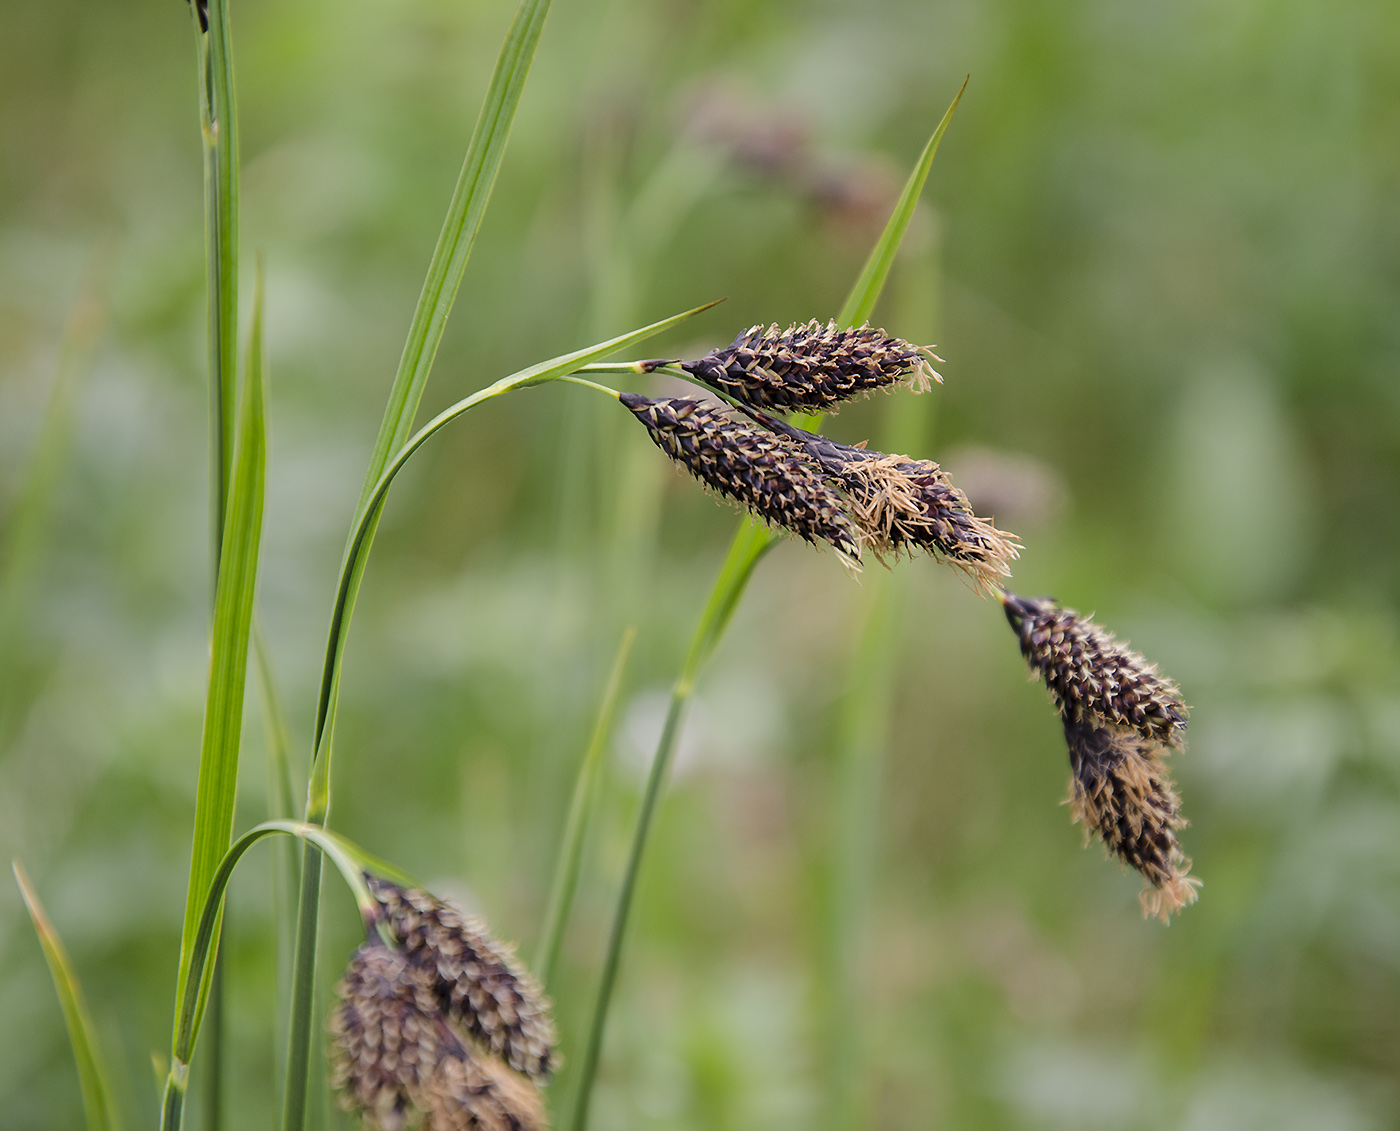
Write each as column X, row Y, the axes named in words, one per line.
column 346, row 857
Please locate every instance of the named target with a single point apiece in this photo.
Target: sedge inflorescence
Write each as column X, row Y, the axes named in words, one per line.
column 1120, row 716
column 447, row 1032
column 1121, row 719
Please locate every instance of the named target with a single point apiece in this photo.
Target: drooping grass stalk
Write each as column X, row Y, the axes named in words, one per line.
column 861, row 740
column 581, row 808
column 469, row 199
column 99, row 1105
column 750, row 542
column 228, row 670
column 351, row 572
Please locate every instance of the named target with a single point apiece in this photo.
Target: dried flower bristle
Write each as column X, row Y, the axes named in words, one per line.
column 1120, row 789
column 1090, row 674
column 479, row 1093
column 899, row 503
column 767, row 473
column 810, row 366
column 399, row 1063
column 477, row 981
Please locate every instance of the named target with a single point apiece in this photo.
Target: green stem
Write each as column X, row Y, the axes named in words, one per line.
column 748, row 547
column 581, row 808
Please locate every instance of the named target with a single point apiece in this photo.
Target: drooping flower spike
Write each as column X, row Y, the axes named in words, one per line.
column 1121, row 719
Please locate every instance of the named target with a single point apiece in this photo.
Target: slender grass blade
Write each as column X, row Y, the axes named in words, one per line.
column 228, row 667
column 99, row 1105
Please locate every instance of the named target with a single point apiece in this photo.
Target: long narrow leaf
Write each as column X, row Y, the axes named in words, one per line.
column 581, row 806
column 459, row 230
column 99, row 1105
column 228, row 665
column 750, row 543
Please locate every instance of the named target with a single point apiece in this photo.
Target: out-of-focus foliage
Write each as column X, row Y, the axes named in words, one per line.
column 1162, row 263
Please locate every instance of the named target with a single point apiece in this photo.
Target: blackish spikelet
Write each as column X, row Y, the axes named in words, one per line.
column 901, row 503
column 1091, row 675
column 810, row 366
column 201, row 8
column 1120, row 789
column 766, row 473
column 477, row 981
column 399, row 1062
column 387, row 1036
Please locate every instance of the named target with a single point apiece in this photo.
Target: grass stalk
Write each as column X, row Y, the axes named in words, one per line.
column 99, row 1105
column 750, row 542
column 351, row 573
column 744, row 554
column 581, row 808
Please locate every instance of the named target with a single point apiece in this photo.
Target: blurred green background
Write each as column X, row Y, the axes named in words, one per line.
column 1160, row 253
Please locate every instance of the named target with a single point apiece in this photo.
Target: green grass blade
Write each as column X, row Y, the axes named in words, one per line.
column 228, row 666
column 99, row 1105
column 459, row 230
column 581, row 807
column 750, row 543
column 860, row 303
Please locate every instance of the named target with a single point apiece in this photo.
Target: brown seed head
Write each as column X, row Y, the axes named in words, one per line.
column 1091, row 676
column 477, row 982
column 1120, row 789
column 387, row 1037
column 768, row 474
column 811, row 366
column 399, row 1062
column 901, row 503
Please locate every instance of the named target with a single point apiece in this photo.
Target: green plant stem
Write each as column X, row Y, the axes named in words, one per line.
column 581, row 807
column 749, row 544
column 744, row 553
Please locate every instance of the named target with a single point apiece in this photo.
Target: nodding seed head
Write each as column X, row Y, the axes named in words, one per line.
column 398, row 1061
column 901, row 503
column 811, row 366
column 477, row 982
column 1091, row 675
column 1120, row 789
column 767, row 473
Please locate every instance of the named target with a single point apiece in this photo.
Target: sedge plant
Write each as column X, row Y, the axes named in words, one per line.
column 436, row 1021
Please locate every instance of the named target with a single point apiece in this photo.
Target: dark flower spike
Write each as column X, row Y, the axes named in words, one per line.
column 1121, row 790
column 901, row 504
column 766, row 473
column 1121, row 718
column 477, row 982
column 810, row 366
column 398, row 1062
column 201, row 8
column 1091, row 675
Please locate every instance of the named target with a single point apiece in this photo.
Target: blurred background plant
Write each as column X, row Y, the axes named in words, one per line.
column 1161, row 259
